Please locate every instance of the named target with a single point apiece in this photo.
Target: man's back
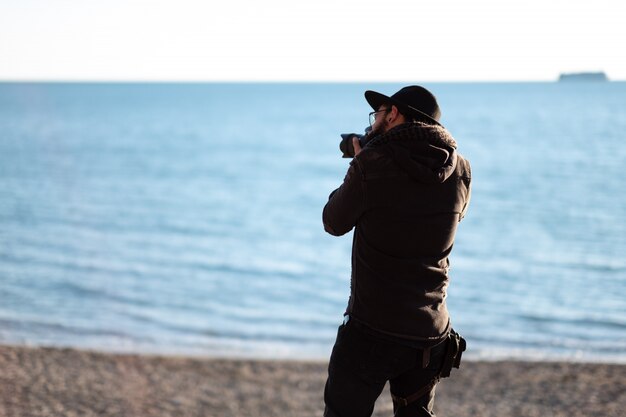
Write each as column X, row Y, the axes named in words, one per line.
column 411, row 188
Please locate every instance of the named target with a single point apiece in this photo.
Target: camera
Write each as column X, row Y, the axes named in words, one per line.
column 346, row 146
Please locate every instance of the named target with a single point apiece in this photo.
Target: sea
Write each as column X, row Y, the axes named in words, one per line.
column 185, row 218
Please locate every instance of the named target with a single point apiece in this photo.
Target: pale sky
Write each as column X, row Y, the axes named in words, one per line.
column 323, row 40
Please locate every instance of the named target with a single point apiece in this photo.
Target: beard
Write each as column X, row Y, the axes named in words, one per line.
column 382, row 127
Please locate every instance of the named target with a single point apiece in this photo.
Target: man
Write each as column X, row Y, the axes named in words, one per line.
column 404, row 193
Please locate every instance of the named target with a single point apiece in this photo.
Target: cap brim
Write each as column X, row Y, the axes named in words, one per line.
column 376, row 100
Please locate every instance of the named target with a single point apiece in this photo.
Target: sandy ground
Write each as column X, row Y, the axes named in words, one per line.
column 66, row 382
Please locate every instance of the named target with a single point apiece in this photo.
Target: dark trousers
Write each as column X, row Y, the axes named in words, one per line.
column 360, row 365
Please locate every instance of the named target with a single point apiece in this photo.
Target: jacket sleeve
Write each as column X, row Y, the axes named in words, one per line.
column 346, row 204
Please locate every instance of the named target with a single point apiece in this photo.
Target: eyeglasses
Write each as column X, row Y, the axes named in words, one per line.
column 373, row 115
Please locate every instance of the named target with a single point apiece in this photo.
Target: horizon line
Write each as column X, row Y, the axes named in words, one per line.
column 272, row 81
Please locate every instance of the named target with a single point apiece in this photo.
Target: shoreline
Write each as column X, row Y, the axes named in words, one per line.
column 223, row 353
column 48, row 381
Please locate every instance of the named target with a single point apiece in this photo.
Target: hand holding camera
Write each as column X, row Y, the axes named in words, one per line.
column 347, row 146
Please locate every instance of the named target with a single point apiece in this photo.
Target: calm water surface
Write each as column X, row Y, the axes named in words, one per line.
column 186, row 218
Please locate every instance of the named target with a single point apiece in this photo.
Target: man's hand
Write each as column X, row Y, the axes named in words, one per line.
column 357, row 145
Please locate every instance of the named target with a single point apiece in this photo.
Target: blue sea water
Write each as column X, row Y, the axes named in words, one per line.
column 186, row 218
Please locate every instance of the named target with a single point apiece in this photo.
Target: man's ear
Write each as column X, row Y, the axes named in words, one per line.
column 394, row 113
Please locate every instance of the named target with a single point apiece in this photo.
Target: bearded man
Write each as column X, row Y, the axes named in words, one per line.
column 404, row 194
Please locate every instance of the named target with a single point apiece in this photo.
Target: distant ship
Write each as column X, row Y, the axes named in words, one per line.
column 584, row 76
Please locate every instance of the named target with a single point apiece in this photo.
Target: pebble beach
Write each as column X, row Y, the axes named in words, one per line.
column 38, row 381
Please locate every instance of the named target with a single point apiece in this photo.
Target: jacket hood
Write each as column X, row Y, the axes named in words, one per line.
column 427, row 153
